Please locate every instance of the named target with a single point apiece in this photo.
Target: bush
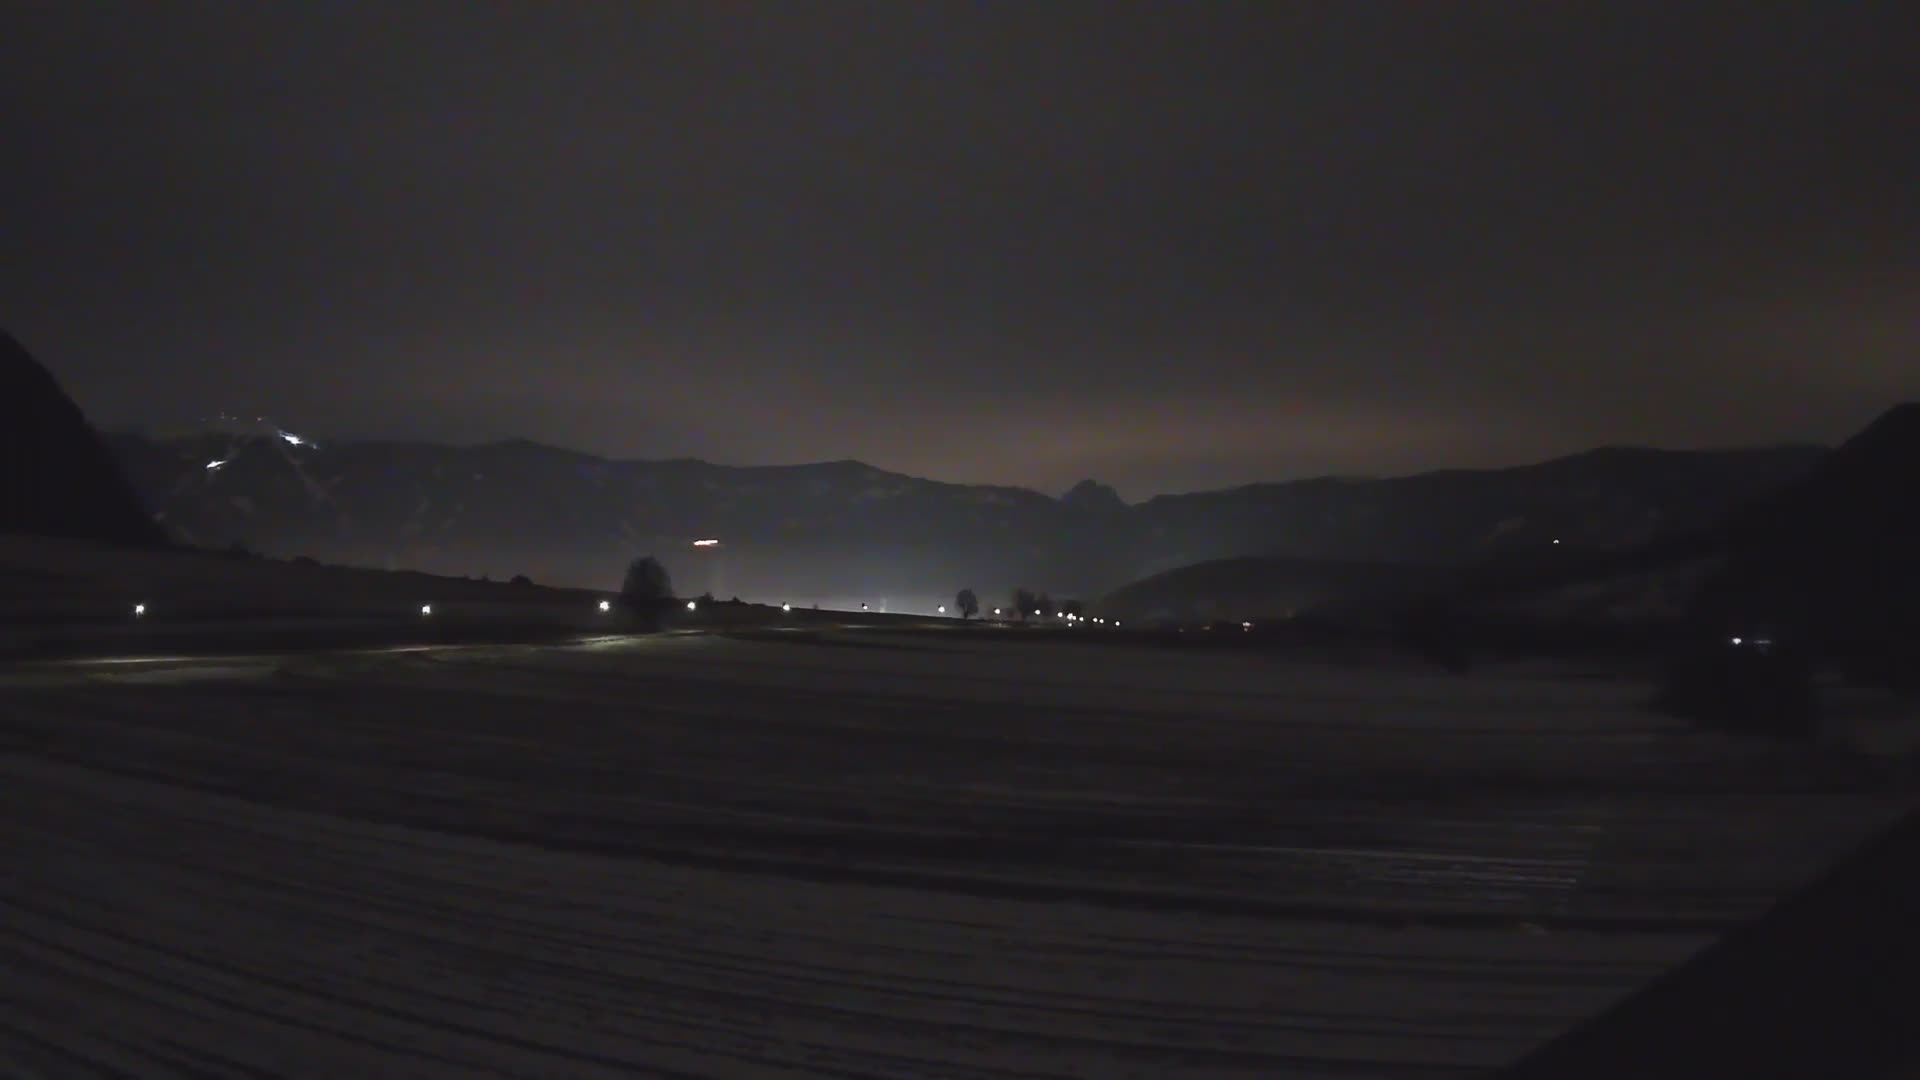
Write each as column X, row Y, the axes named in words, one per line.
column 647, row 593
column 520, row 579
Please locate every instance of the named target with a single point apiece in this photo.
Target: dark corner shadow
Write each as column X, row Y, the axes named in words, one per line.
column 1826, row 984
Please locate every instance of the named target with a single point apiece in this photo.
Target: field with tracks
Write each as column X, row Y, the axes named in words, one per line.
column 860, row 854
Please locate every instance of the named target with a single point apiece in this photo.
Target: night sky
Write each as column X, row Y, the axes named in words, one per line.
column 1171, row 246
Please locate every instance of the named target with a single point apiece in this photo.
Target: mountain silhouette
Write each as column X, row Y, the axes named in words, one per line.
column 58, row 478
column 848, row 531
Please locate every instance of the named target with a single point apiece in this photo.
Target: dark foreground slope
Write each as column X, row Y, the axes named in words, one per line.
column 1836, row 554
column 56, row 476
column 1823, row 986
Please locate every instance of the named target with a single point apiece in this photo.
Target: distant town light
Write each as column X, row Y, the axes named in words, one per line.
column 606, row 605
column 863, row 607
column 1556, row 539
column 706, row 543
column 292, row 439
column 786, row 607
column 691, row 606
column 1246, row 626
column 426, row 609
column 139, row 610
column 996, row 611
column 212, row 465
column 942, row 609
column 1737, row 641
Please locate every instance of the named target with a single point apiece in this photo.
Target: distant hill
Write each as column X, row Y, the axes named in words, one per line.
column 1269, row 588
column 56, row 476
column 840, row 532
column 1610, row 498
column 1830, row 559
column 1837, row 552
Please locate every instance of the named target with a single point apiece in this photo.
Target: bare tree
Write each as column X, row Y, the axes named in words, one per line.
column 967, row 603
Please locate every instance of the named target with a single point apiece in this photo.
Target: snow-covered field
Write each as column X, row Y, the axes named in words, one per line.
column 859, row 855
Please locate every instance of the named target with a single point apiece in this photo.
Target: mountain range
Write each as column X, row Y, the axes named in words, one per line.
column 845, row 532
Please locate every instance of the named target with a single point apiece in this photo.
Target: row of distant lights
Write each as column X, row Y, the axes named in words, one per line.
column 426, row 610
column 1072, row 619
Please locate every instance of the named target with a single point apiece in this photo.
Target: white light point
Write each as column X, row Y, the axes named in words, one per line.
column 706, row 543
column 426, row 609
column 942, row 609
column 212, row 465
column 139, row 610
column 292, row 439
column 786, row 607
column 606, row 605
column 691, row 606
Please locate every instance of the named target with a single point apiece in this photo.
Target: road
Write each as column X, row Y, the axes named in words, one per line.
column 858, row 855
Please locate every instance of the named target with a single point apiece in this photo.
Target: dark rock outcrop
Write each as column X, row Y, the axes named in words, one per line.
column 56, row 476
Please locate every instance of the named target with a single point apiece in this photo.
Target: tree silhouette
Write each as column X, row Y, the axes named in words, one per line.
column 1024, row 603
column 647, row 592
column 968, row 604
column 1045, row 605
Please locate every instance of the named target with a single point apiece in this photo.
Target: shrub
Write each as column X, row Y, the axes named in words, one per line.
column 647, row 592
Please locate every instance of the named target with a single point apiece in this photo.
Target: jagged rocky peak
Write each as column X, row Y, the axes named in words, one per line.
column 1093, row 496
column 56, row 476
